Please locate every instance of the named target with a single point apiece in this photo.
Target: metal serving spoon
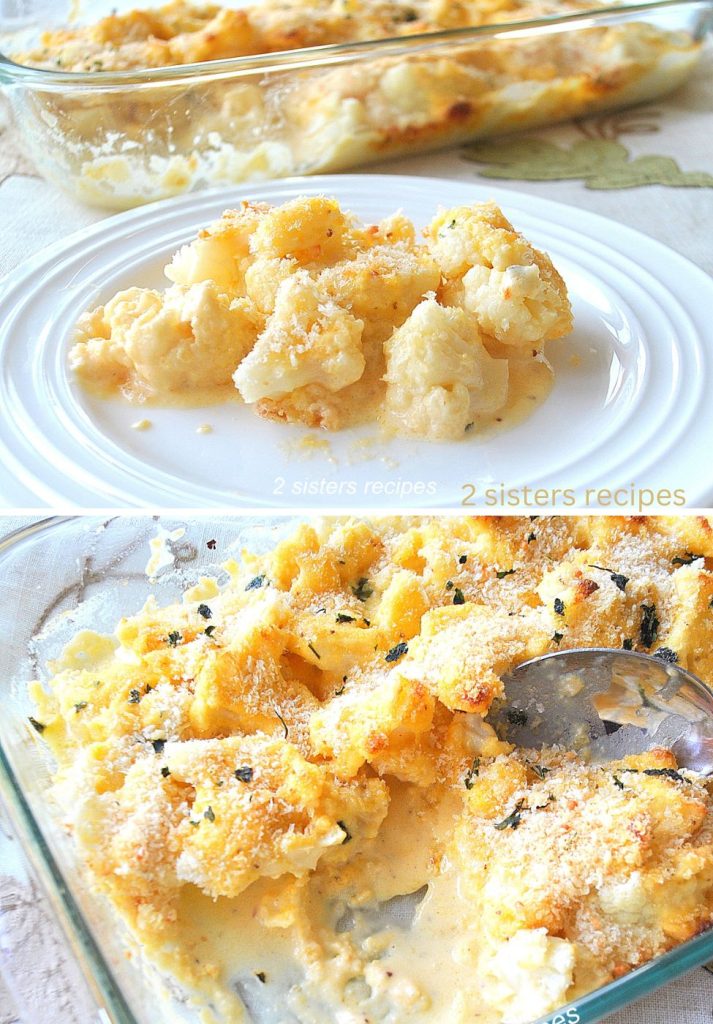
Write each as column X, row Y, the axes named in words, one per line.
column 606, row 704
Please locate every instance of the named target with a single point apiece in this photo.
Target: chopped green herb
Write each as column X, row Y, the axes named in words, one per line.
column 158, row 746
column 39, row 726
column 204, row 611
column 686, row 559
column 174, row 638
column 314, row 651
column 531, row 537
column 363, row 590
column 469, row 426
column 502, row 573
column 556, row 637
column 343, row 617
column 617, row 782
column 366, row 622
column 539, row 769
column 321, row 611
column 396, row 652
column 345, row 830
column 559, row 606
column 617, row 578
column 458, row 597
column 256, row 582
column 134, row 697
column 463, row 559
column 209, row 814
column 449, row 585
column 512, row 820
column 209, row 630
column 667, row 655
column 516, row 716
column 340, row 691
column 244, row 774
column 472, row 773
column 165, row 772
column 628, row 645
column 261, row 976
column 667, row 773
column 284, row 723
column 649, row 629
column 80, row 706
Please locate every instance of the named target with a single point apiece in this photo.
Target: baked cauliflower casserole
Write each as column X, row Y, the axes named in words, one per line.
column 318, row 319
column 165, row 137
column 288, row 787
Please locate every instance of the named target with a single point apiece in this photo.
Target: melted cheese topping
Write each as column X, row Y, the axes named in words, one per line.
column 149, row 143
column 185, row 33
column 289, row 789
column 318, row 319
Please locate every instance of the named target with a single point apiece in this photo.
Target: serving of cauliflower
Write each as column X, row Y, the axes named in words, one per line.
column 289, row 785
column 316, row 318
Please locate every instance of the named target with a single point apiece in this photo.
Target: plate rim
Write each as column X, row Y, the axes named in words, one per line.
column 524, row 202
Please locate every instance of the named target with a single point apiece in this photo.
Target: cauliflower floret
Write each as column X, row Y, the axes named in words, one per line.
column 382, row 724
column 494, row 273
column 529, row 975
column 261, row 810
column 97, row 357
column 309, row 229
column 518, row 306
column 394, row 228
column 308, row 340
column 438, row 374
column 263, row 279
column 183, row 339
column 383, row 283
column 462, row 651
column 228, row 33
column 221, row 252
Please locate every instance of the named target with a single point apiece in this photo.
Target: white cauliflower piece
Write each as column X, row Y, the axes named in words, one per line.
column 308, row 340
column 311, row 230
column 529, row 975
column 263, row 279
column 383, row 283
column 221, row 252
column 515, row 305
column 438, row 374
column 186, row 338
column 494, row 273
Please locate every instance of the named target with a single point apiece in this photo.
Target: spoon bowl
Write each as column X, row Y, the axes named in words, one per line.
column 605, row 704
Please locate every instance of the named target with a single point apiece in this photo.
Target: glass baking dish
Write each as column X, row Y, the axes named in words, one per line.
column 64, row 574
column 118, row 139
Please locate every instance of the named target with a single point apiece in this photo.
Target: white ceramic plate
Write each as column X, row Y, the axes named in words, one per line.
column 629, row 409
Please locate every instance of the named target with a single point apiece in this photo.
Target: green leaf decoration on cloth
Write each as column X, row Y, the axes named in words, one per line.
column 599, row 163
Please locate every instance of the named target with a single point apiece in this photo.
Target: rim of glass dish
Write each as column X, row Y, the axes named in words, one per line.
column 335, row 53
column 95, row 968
column 111, row 1003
